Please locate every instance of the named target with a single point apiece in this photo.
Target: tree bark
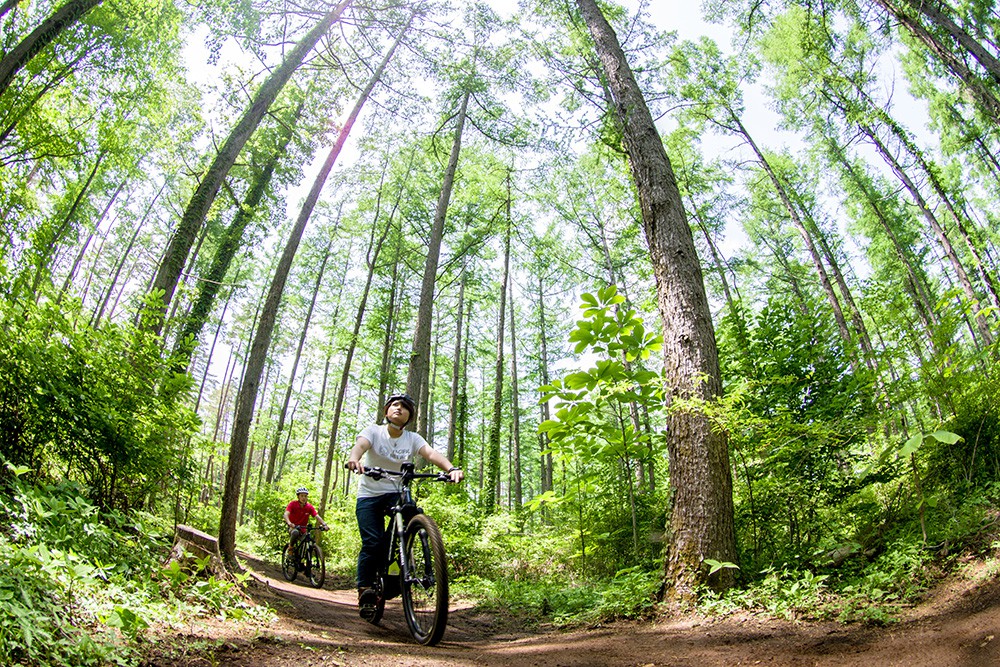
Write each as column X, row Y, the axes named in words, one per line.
column 71, row 274
column 456, row 372
column 701, row 523
column 232, row 241
column 982, row 326
column 545, row 456
column 515, row 411
column 96, row 319
column 374, row 250
column 988, row 101
column 295, row 366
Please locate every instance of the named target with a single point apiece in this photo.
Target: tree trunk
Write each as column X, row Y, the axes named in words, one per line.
column 492, row 454
column 545, row 456
column 389, row 339
column 982, row 326
column 232, row 241
column 807, row 240
column 515, row 428
column 417, row 377
column 7, row 6
column 71, row 274
column 211, row 353
column 40, row 37
column 201, row 201
column 45, row 244
column 96, row 319
column 463, row 401
column 922, row 303
column 988, row 102
column 456, row 373
column 374, row 249
column 701, row 523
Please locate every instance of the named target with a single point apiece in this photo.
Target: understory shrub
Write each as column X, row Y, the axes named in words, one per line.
column 81, row 587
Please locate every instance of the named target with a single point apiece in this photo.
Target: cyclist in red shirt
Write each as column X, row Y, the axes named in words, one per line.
column 297, row 515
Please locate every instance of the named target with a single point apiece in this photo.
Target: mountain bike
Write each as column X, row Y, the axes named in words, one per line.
column 415, row 565
column 308, row 559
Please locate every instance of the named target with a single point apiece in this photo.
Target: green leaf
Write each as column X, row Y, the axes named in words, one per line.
column 715, row 565
column 911, row 445
column 946, row 437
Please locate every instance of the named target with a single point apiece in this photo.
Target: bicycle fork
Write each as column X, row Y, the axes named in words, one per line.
column 398, row 553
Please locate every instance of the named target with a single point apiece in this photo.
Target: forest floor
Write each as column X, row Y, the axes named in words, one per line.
column 956, row 625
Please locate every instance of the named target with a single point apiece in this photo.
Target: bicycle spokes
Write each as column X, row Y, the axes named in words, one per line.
column 425, row 588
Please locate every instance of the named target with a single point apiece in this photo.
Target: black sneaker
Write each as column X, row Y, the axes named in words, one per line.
column 367, row 601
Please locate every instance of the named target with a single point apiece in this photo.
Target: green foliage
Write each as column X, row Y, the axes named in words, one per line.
column 80, row 587
column 785, row 593
column 86, row 403
column 630, row 593
column 598, row 437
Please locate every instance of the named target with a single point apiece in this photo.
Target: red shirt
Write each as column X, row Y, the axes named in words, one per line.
column 299, row 514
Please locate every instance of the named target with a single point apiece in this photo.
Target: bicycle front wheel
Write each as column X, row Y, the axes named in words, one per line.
column 315, row 566
column 425, row 586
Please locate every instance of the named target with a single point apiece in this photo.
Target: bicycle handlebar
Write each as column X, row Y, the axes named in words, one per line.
column 407, row 473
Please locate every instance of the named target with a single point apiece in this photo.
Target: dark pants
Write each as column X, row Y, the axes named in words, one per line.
column 371, row 524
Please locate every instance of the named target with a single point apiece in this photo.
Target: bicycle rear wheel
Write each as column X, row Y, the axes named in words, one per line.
column 425, row 588
column 315, row 565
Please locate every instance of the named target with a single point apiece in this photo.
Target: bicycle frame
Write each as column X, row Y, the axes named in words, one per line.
column 400, row 513
column 423, row 581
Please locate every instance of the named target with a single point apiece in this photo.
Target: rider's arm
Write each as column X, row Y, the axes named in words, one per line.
column 441, row 461
column 288, row 518
column 319, row 520
column 361, row 445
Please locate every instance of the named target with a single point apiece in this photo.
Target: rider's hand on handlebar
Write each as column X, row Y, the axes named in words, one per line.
column 356, row 467
column 455, row 475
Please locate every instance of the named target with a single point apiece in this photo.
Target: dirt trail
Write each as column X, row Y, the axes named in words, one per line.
column 958, row 626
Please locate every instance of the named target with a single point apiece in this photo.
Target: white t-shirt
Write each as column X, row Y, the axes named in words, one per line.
column 389, row 453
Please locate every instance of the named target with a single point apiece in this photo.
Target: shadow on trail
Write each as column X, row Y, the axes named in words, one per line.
column 332, row 611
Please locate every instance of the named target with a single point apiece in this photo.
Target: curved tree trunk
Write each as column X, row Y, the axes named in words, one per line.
column 40, row 37
column 201, row 201
column 265, row 328
column 988, row 102
column 209, row 286
column 982, row 326
column 374, row 249
column 282, row 414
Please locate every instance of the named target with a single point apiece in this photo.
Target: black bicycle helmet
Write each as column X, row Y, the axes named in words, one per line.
column 407, row 402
